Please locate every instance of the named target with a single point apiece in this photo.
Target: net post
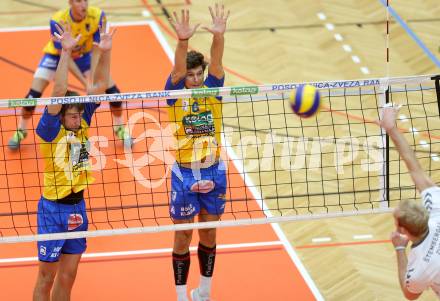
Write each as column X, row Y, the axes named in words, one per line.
column 436, row 78
column 387, row 154
column 384, row 98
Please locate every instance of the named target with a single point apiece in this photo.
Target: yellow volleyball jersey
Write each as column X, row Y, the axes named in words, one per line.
column 198, row 123
column 88, row 28
column 66, row 156
column 198, row 126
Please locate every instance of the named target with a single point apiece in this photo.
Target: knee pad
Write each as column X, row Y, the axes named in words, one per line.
column 112, row 90
column 29, row 109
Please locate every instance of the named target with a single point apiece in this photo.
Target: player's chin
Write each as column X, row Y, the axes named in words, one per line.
column 74, row 129
column 196, row 86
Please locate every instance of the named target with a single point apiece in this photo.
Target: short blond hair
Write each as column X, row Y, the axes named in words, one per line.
column 413, row 217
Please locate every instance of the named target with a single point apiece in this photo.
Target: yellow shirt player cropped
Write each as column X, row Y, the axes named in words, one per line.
column 198, row 178
column 198, row 124
column 85, row 22
column 86, row 27
column 66, row 155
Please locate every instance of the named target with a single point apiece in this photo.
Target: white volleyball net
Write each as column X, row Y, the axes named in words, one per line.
column 279, row 167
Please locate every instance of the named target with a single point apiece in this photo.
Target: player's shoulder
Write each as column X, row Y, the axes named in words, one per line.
column 61, row 15
column 94, row 12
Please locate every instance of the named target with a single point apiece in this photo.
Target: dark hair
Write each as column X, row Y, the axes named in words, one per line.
column 195, row 59
column 67, row 106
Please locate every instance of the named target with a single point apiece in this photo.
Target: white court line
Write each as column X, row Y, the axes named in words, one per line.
column 149, row 251
column 363, row 236
column 248, row 182
column 321, row 239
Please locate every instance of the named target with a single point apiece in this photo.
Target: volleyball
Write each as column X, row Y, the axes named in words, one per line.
column 305, row 101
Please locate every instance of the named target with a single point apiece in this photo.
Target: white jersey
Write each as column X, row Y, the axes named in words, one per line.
column 423, row 270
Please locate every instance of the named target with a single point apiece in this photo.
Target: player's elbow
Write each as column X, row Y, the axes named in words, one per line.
column 59, row 91
column 411, row 296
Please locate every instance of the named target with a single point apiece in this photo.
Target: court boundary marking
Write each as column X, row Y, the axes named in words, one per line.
column 148, row 252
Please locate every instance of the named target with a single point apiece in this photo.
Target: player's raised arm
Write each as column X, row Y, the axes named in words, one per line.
column 184, row 32
column 217, row 28
column 102, row 73
column 388, row 123
column 68, row 42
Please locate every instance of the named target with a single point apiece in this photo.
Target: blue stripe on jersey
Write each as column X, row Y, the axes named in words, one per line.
column 169, row 86
column 89, row 109
column 54, row 30
column 49, row 126
column 97, row 35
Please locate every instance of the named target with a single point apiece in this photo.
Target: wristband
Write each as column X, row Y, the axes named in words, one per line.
column 183, row 39
column 400, row 248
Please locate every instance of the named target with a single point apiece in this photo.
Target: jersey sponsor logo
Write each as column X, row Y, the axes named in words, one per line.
column 49, row 62
column 195, row 107
column 55, row 253
column 187, row 210
column 22, row 102
column 75, row 220
column 244, row 90
column 79, row 156
column 199, row 124
column 199, row 93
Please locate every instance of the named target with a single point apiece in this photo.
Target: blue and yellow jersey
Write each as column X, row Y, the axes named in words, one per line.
column 88, row 28
column 198, row 123
column 66, row 155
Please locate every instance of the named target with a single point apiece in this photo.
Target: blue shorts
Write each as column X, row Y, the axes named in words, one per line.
column 50, row 61
column 184, row 203
column 53, row 217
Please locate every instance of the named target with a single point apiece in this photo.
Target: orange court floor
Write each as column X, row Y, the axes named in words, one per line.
column 253, row 262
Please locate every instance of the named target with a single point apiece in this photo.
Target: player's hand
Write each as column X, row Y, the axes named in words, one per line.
column 399, row 239
column 389, row 115
column 106, row 38
column 219, row 20
column 64, row 36
column 182, row 28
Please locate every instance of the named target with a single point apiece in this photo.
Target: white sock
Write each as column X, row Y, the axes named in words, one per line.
column 181, row 293
column 117, row 120
column 205, row 286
